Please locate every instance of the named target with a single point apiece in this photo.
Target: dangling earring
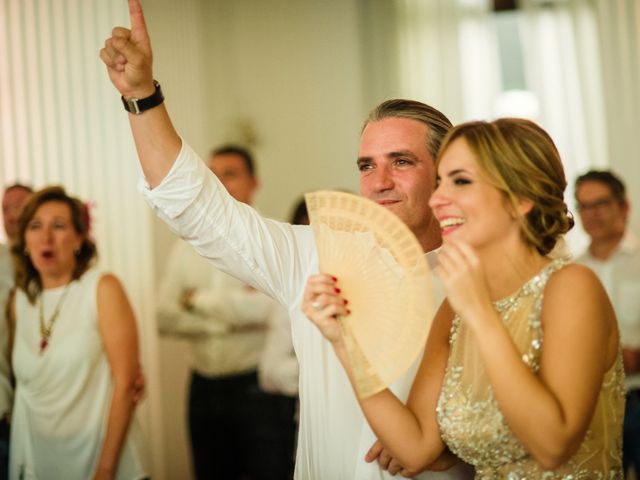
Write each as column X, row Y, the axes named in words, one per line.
column 26, row 252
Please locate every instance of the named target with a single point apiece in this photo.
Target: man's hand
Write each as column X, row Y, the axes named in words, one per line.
column 386, row 461
column 186, row 300
column 128, row 57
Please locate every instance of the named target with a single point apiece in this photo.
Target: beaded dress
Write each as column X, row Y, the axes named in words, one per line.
column 475, row 430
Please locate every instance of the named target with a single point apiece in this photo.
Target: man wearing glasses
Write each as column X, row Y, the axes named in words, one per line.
column 614, row 254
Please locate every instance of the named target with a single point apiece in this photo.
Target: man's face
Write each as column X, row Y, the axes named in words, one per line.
column 235, row 176
column 12, row 202
column 397, row 171
column 603, row 216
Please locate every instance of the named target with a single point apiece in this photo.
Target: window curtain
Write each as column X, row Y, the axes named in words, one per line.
column 583, row 60
column 563, row 68
column 61, row 122
column 428, row 50
column 619, row 26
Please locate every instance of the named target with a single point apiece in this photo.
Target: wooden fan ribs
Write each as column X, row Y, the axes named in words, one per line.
column 383, row 272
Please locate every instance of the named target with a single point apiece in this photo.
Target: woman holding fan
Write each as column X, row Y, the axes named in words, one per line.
column 522, row 374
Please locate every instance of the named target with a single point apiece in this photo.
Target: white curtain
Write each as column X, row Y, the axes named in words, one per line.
column 441, row 52
column 61, row 122
column 583, row 59
column 449, row 56
column 479, row 59
column 428, row 53
column 563, row 68
column 619, row 25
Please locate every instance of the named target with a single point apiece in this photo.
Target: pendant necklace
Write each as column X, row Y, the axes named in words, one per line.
column 46, row 328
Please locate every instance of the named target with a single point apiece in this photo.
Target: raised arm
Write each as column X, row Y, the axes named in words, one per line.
column 410, row 432
column 129, row 60
column 270, row 256
column 117, row 327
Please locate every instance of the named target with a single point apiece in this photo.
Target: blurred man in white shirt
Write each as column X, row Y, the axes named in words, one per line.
column 614, row 254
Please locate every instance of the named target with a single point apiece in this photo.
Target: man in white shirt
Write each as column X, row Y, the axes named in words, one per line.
column 13, row 198
column 278, row 368
column 614, row 254
column 397, row 150
column 236, row 430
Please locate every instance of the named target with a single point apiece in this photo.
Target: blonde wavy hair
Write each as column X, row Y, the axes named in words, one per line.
column 520, row 159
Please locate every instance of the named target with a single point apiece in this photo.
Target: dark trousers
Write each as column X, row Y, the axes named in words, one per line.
column 4, row 449
column 238, row 431
column 631, row 436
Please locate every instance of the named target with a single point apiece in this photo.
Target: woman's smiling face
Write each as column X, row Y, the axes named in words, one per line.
column 465, row 203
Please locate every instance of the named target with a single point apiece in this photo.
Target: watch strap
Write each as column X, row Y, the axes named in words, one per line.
column 138, row 105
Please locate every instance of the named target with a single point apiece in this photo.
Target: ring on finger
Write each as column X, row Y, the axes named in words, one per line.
column 317, row 305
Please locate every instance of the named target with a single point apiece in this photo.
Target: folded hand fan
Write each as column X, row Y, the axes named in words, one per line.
column 382, row 271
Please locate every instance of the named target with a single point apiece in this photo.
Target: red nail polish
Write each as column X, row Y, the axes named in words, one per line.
column 337, row 290
column 345, row 301
column 348, row 312
column 334, row 279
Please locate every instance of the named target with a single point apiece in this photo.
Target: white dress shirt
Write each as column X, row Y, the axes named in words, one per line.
column 227, row 323
column 278, row 367
column 620, row 275
column 277, row 258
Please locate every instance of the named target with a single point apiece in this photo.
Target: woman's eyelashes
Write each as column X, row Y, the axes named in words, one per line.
column 455, row 180
column 460, row 180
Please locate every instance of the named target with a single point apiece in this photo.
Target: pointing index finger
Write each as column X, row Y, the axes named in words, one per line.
column 138, row 25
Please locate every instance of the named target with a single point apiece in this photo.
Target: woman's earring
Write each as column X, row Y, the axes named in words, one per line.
column 26, row 252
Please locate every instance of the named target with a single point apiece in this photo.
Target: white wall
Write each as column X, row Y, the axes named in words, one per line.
column 290, row 71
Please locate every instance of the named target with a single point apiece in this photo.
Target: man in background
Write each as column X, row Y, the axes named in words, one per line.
column 236, row 430
column 614, row 255
column 13, row 198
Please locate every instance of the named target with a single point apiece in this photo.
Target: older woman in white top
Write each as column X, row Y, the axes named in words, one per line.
column 75, row 353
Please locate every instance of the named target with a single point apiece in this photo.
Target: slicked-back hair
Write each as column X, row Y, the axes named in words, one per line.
column 437, row 123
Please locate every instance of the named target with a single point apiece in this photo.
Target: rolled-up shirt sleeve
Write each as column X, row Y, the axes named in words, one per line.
column 271, row 256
